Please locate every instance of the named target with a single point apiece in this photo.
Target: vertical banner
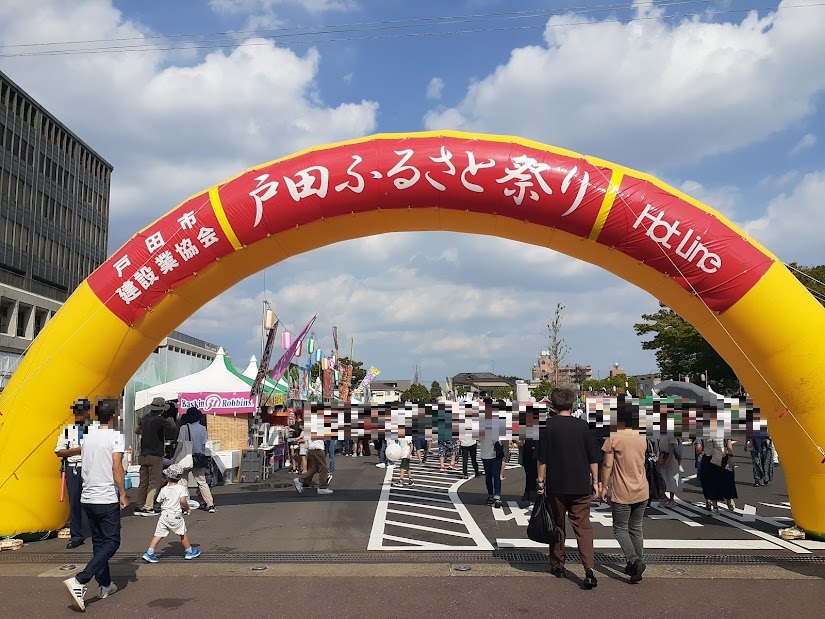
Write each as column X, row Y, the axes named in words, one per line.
column 346, row 379
column 362, row 388
column 257, row 386
column 335, row 341
column 327, row 393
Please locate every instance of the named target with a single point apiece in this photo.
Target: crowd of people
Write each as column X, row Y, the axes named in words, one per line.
column 568, row 464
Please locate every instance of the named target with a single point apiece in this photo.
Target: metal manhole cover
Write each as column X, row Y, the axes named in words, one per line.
column 259, row 568
column 675, row 570
column 68, row 567
column 462, row 568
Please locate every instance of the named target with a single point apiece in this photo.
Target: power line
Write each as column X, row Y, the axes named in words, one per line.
column 384, row 24
column 218, row 44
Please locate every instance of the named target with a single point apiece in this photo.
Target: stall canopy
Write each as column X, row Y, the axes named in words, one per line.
column 270, row 386
column 221, row 376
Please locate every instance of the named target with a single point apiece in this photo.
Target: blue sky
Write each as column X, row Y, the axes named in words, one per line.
column 723, row 103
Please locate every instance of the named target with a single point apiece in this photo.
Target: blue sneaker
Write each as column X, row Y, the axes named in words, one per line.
column 150, row 558
column 191, row 554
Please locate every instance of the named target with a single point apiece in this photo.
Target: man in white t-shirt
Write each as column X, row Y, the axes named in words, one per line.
column 102, row 498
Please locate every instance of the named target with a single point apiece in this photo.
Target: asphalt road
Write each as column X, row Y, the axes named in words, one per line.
column 509, row 592
column 441, row 512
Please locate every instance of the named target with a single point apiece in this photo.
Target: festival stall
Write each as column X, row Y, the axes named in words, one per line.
column 222, row 393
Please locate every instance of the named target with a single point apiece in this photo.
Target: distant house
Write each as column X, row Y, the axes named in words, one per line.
column 387, row 391
column 482, row 383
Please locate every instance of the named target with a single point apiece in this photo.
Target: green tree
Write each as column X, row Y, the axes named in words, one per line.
column 503, row 393
column 682, row 351
column 543, row 389
column 418, row 394
column 813, row 278
column 621, row 382
column 435, row 390
column 358, row 372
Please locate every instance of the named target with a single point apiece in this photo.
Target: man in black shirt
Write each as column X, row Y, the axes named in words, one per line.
column 568, row 472
column 151, row 428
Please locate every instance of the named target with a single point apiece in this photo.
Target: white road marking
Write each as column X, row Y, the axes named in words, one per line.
column 402, row 512
column 442, row 488
column 777, row 505
column 653, row 544
column 519, row 514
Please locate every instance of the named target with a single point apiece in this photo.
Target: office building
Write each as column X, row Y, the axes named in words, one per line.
column 54, row 218
column 545, row 369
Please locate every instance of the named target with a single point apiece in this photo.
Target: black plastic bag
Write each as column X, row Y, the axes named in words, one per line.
column 541, row 528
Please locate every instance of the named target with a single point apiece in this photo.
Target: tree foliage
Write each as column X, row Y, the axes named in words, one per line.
column 813, row 278
column 621, row 382
column 502, row 393
column 418, row 394
column 358, row 372
column 543, row 389
column 435, row 390
column 682, row 351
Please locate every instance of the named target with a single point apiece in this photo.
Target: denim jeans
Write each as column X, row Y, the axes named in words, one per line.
column 333, row 444
column 627, row 529
column 492, row 475
column 382, row 455
column 104, row 520
column 348, row 447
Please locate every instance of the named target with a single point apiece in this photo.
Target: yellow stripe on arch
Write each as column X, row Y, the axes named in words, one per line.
column 223, row 220
column 607, row 204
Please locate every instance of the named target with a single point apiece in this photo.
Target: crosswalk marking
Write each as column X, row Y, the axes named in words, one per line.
column 427, row 516
column 431, row 485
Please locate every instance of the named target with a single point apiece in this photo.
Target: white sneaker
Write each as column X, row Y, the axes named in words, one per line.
column 107, row 591
column 298, row 485
column 324, row 490
column 381, row 465
column 76, row 591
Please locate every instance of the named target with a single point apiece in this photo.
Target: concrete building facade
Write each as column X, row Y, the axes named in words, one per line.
column 54, row 218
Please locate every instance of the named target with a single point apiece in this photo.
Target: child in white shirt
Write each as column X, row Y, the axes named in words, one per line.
column 174, row 503
column 406, row 452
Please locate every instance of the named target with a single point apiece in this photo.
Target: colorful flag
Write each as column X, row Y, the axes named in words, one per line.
column 283, row 363
column 335, row 339
column 367, row 379
column 257, row 386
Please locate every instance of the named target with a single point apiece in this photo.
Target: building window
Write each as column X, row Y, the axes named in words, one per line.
column 41, row 317
column 6, row 311
column 24, row 313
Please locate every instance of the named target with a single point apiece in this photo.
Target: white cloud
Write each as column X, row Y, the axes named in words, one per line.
column 722, row 198
column 790, row 227
column 455, row 311
column 653, row 92
column 256, row 6
column 435, row 88
column 807, row 141
column 171, row 129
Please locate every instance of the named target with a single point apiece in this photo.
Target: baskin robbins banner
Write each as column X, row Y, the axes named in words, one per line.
column 221, row 403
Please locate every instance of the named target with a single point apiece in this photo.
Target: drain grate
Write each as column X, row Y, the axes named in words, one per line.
column 499, row 556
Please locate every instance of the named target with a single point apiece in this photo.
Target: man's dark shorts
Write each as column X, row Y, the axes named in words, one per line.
column 405, row 464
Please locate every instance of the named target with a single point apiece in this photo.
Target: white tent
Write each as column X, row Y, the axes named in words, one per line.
column 221, row 375
column 251, row 371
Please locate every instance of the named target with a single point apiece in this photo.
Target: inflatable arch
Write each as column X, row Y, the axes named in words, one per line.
column 736, row 293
